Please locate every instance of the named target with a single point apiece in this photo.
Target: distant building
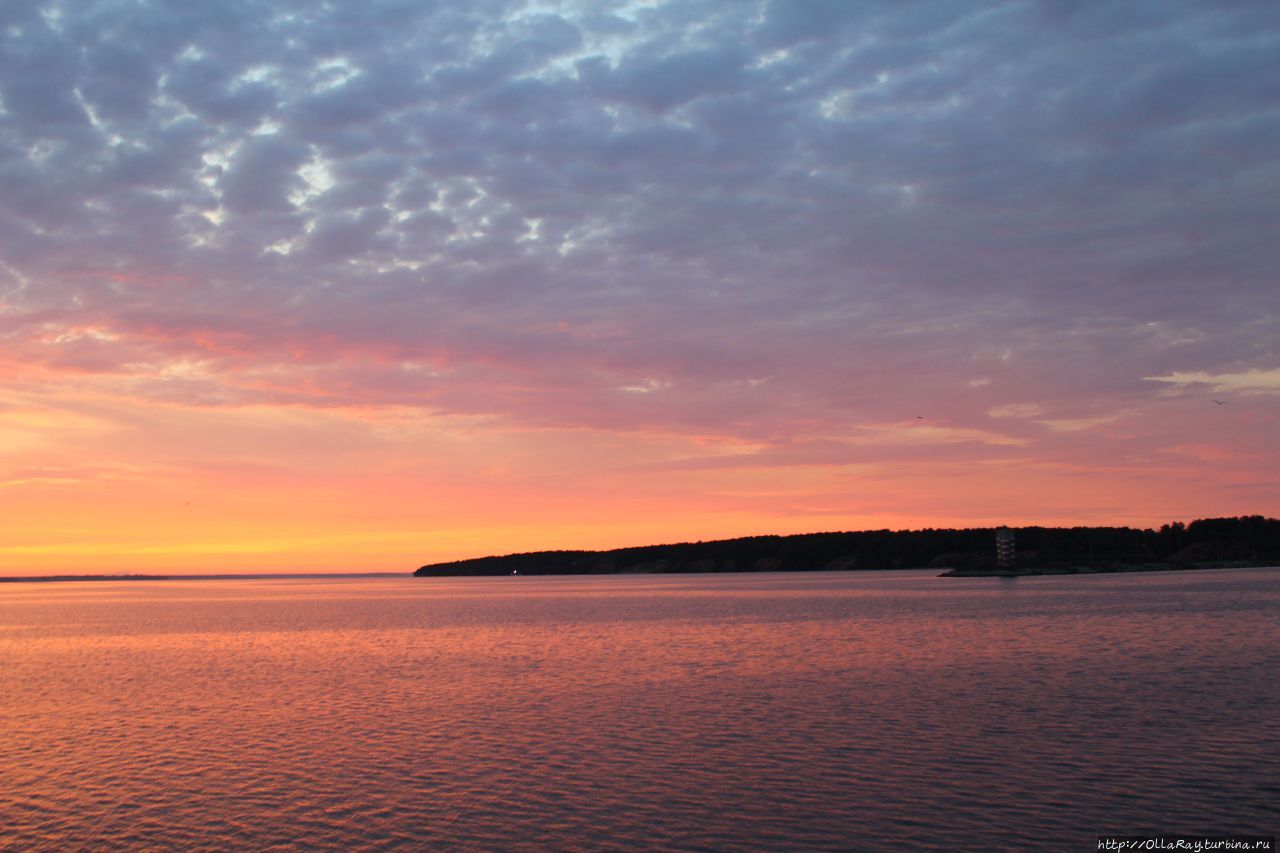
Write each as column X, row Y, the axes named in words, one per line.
column 1004, row 548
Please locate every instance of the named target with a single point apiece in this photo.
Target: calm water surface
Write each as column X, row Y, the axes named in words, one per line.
column 833, row 710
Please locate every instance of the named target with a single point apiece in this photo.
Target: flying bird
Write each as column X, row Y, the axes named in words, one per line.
column 1220, row 402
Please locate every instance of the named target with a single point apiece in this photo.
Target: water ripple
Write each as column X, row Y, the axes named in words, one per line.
column 775, row 711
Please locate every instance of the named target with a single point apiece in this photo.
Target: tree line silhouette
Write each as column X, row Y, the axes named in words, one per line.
column 1244, row 540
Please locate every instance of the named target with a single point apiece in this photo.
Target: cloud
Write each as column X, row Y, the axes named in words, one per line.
column 1255, row 381
column 913, row 208
column 1078, row 424
column 1015, row 410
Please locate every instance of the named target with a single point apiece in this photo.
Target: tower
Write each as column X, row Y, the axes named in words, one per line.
column 1004, row 547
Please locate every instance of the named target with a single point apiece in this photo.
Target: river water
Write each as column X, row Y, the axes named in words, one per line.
column 871, row 710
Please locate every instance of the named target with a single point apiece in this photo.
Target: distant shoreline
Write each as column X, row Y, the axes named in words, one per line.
column 1048, row 571
column 207, row 577
column 969, row 552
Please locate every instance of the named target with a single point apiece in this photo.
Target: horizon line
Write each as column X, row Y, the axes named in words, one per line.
column 194, row 577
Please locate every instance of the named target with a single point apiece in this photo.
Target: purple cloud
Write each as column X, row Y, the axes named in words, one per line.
column 780, row 222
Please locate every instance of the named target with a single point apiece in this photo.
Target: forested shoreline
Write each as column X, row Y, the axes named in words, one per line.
column 1244, row 540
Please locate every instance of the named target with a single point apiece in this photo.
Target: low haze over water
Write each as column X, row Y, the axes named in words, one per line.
column 829, row 710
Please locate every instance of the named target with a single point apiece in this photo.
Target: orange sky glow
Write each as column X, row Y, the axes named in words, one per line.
column 97, row 481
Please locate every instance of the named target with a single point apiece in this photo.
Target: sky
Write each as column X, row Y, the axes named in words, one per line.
column 359, row 286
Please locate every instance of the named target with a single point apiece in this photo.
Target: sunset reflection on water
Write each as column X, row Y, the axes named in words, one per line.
column 811, row 710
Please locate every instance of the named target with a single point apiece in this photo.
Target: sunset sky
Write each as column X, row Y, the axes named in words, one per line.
column 358, row 286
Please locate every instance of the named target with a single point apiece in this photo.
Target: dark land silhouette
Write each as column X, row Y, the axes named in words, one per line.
column 1205, row 543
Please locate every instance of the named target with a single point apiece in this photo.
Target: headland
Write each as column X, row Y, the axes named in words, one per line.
column 970, row 552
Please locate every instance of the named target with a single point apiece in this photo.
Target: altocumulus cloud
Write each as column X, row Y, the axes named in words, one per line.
column 779, row 221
